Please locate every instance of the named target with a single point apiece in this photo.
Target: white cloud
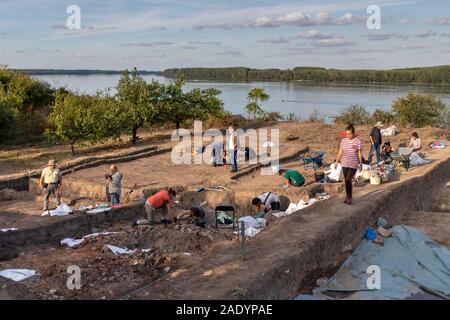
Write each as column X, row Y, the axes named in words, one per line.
column 314, row 34
column 386, row 36
column 425, row 34
column 336, row 42
column 444, row 21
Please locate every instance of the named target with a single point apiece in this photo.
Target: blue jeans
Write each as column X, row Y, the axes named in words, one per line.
column 374, row 147
column 233, row 159
column 115, row 198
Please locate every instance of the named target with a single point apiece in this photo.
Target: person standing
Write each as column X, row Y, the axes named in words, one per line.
column 51, row 183
column 115, row 184
column 217, row 153
column 375, row 142
column 233, row 146
column 350, row 156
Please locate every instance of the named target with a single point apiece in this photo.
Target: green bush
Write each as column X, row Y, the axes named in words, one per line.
column 355, row 114
column 386, row 117
column 417, row 110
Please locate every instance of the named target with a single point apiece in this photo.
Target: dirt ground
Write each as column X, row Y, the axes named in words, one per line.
column 178, row 246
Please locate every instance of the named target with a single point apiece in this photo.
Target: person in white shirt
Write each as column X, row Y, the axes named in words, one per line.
column 334, row 174
column 233, row 147
column 51, row 182
column 266, row 203
column 415, row 142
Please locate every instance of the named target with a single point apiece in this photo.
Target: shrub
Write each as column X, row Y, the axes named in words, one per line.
column 387, row 117
column 418, row 110
column 355, row 114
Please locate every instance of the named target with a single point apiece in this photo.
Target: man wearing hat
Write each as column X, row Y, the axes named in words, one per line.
column 375, row 140
column 51, row 181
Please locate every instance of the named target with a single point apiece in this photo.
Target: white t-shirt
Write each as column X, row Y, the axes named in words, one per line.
column 335, row 173
column 273, row 197
column 233, row 135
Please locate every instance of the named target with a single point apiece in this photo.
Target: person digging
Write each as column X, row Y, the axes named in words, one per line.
column 265, row 204
column 163, row 200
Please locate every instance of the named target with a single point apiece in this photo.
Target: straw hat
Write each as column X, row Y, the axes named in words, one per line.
column 379, row 124
column 52, row 163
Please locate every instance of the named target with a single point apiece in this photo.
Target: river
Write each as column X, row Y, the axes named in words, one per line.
column 293, row 97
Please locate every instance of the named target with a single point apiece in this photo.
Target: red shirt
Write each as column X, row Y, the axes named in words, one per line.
column 159, row 199
column 350, row 152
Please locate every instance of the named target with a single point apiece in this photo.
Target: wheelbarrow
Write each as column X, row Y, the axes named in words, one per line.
column 315, row 160
column 401, row 155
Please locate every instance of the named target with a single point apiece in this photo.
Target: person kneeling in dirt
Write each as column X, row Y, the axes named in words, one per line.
column 51, row 182
column 164, row 200
column 293, row 177
column 197, row 213
column 265, row 204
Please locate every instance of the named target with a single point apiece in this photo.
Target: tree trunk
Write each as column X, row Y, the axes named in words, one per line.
column 72, row 146
column 134, row 135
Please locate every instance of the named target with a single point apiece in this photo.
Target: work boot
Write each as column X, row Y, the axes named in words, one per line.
column 350, row 200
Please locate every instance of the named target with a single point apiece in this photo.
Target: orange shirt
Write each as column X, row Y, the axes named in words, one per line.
column 159, row 199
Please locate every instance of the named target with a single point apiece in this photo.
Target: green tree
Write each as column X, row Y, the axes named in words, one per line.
column 417, row 110
column 255, row 98
column 77, row 118
column 355, row 114
column 178, row 107
column 133, row 107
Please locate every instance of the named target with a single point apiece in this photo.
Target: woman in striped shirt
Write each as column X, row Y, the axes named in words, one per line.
column 350, row 156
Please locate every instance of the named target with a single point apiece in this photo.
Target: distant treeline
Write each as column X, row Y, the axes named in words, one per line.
column 75, row 72
column 429, row 75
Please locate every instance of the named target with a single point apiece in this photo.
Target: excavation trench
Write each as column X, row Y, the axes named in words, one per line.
column 204, row 263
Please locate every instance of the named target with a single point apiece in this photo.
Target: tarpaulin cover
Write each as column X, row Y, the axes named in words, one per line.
column 412, row 267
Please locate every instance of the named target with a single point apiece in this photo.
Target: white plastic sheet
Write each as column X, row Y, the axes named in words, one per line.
column 99, row 210
column 18, row 274
column 294, row 207
column 119, row 251
column 72, row 243
column 62, row 210
column 9, row 229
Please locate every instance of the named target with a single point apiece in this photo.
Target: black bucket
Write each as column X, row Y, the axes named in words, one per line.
column 319, row 176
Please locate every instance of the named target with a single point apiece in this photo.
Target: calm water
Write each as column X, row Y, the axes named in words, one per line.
column 299, row 98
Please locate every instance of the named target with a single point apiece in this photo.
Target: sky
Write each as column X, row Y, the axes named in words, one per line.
column 160, row 34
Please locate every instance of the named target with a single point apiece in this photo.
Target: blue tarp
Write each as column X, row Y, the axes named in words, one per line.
column 412, row 266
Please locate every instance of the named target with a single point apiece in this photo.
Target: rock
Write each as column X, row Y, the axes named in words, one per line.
column 321, row 282
column 166, row 269
column 4, row 286
column 53, row 292
column 346, row 248
column 111, row 279
column 177, row 227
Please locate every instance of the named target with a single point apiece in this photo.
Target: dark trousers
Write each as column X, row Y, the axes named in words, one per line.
column 374, row 147
column 115, row 198
column 233, row 159
column 349, row 173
